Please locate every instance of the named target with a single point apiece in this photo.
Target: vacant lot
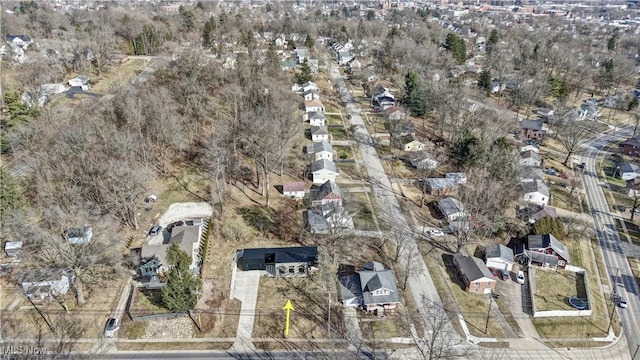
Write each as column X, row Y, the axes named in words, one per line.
column 553, row 289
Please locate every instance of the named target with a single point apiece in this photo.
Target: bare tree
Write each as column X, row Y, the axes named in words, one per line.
column 440, row 336
column 572, row 133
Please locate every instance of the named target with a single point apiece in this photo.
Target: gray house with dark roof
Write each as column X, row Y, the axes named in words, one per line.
column 535, row 192
column 279, row 262
column 372, row 288
column 452, row 209
column 329, row 192
column 154, row 257
column 323, row 171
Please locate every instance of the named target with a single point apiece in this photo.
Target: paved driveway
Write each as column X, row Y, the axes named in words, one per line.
column 246, row 290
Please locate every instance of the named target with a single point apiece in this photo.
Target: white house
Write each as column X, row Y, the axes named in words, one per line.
column 313, row 105
column 315, row 118
column 80, row 81
column 535, row 192
column 19, row 41
column 319, row 133
column 311, row 94
column 320, row 150
column 39, row 95
column 294, row 189
column 309, row 86
column 323, row 171
column 627, row 171
column 422, row 160
column 459, row 178
column 499, row 257
column 530, row 158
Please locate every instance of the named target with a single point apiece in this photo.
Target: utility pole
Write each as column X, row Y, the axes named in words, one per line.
column 614, row 296
column 329, row 317
column 636, row 352
column 486, row 325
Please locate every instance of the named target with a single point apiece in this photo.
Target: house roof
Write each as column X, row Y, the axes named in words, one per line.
column 293, row 186
column 283, row 254
column 324, row 164
column 530, row 172
column 633, row 183
column 13, row 245
column 185, row 236
column 312, row 91
column 535, row 186
column 546, row 211
column 350, row 287
column 542, row 258
column 450, row 206
column 24, row 38
column 41, row 274
column 374, row 280
column 546, row 241
column 419, row 156
column 457, row 177
column 313, row 103
column 532, row 124
column 316, row 115
column 530, row 154
column 79, row 235
column 373, row 266
column 310, row 84
column 499, row 251
column 325, row 189
column 320, row 146
column 441, row 183
column 473, row 267
column 628, row 168
column 319, row 130
column 631, row 142
column 316, row 221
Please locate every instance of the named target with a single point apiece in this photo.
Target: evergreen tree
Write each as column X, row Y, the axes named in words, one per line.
column 207, row 32
column 371, row 15
column 10, row 193
column 456, row 46
column 492, row 41
column 484, row 81
column 308, row 42
column 414, row 94
column 188, row 18
column 304, row 75
column 180, row 293
column 612, row 43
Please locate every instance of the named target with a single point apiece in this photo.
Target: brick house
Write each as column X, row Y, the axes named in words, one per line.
column 474, row 273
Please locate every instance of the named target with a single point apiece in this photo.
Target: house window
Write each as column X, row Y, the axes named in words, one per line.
column 302, row 269
column 292, row 269
column 477, row 283
column 281, row 270
column 561, row 262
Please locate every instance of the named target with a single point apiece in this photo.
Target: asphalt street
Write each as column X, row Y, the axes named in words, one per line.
column 620, row 275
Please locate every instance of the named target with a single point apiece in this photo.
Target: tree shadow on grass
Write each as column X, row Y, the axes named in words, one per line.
column 260, row 218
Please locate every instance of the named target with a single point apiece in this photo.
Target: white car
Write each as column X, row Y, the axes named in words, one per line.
column 111, row 328
column 622, row 303
column 433, row 232
column 520, row 277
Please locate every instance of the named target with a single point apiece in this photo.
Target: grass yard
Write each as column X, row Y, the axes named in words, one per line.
column 349, row 170
column 309, row 299
column 334, row 119
column 561, row 198
column 338, row 134
column 394, row 325
column 343, row 152
column 116, row 76
column 553, row 289
column 360, row 209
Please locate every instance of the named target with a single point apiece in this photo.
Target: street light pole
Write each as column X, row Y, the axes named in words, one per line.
column 486, row 325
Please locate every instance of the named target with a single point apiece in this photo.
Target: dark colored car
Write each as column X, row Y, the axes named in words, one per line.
column 174, row 224
column 505, row 275
column 155, row 230
column 582, row 165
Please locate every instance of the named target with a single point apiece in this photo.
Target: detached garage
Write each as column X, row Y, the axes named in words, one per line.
column 499, row 257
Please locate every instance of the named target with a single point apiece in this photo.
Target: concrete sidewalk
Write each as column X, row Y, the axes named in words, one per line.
column 246, row 290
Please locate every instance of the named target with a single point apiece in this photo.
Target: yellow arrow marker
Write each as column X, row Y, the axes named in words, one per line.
column 288, row 307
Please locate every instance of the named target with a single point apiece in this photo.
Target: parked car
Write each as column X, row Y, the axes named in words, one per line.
column 550, row 171
column 155, row 230
column 622, row 302
column 505, row 275
column 111, row 328
column 520, row 277
column 434, row 232
column 174, row 224
column 582, row 165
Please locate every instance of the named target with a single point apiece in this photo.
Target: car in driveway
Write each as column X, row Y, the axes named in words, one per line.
column 111, row 327
column 504, row 274
column 155, row 230
column 520, row 277
column 550, row 171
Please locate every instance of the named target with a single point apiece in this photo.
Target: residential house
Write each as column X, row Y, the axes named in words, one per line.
column 19, row 41
column 409, row 143
column 530, row 158
column 280, row 262
column 459, row 178
column 353, row 67
column 323, row 171
column 630, row 147
column 314, row 65
column 301, row 54
column 530, row 147
column 80, row 81
column 542, row 212
column 532, row 129
column 288, row 65
column 395, row 113
column 422, row 160
column 79, row 235
column 344, row 57
column 311, row 94
column 499, row 257
column 383, row 98
column 315, row 118
column 589, row 110
column 293, row 189
column 474, row 273
column 372, row 288
column 38, row 96
column 545, row 250
column 530, row 173
column 545, row 113
column 13, row 248
column 319, row 133
column 627, row 171
column 440, row 186
column 320, row 150
column 633, row 186
column 313, row 105
column 535, row 192
column 45, row 284
column 154, row 257
column 327, row 193
column 309, row 86
column 328, row 218
column 452, row 209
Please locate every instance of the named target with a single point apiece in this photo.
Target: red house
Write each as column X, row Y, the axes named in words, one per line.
column 532, row 129
column 630, row 147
